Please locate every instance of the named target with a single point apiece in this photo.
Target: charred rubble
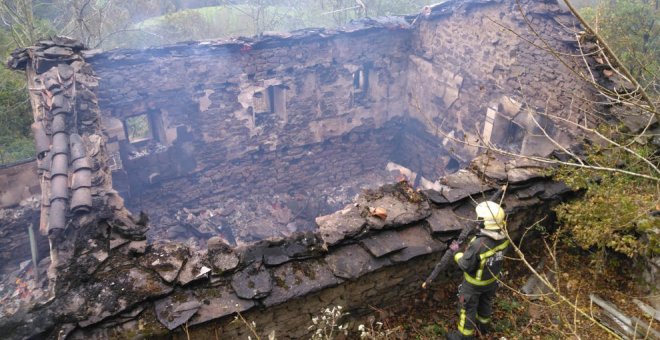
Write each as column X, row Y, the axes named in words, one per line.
column 356, row 253
column 278, row 174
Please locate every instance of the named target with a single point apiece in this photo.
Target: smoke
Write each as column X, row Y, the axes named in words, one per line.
column 18, row 187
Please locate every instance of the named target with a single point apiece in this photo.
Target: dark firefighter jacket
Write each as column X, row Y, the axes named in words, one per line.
column 482, row 260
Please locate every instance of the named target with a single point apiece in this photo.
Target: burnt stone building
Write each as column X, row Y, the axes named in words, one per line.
column 250, row 157
column 258, row 137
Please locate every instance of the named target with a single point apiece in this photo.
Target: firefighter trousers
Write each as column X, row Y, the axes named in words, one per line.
column 475, row 307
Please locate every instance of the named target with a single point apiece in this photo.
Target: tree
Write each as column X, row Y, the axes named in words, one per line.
column 631, row 28
column 19, row 28
column 17, row 17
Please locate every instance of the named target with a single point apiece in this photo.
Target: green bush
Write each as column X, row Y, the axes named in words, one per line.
column 615, row 212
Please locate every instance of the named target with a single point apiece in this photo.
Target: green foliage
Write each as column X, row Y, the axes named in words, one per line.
column 631, row 28
column 615, row 211
column 15, row 116
column 15, row 149
column 510, row 306
column 138, row 128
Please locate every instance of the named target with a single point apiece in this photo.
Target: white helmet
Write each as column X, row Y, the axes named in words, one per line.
column 492, row 215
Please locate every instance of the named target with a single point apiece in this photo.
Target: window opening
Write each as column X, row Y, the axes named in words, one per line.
column 360, row 80
column 138, row 128
column 452, row 166
column 263, row 101
column 271, row 100
column 278, row 94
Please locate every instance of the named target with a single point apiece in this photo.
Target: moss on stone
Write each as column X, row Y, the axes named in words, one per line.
column 280, row 282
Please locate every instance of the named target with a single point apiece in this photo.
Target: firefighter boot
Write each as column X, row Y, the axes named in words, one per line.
column 484, row 328
column 456, row 335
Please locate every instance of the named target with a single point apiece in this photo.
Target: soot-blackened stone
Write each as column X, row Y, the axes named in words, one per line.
column 445, row 221
column 400, row 211
column 195, row 268
column 531, row 191
column 57, row 51
column 166, row 260
column 462, row 184
column 274, row 256
column 554, row 190
column 383, row 243
column 517, row 175
column 435, row 196
column 223, row 261
column 344, row 223
column 175, row 310
column 216, row 303
column 296, row 279
column 352, row 261
column 418, row 242
column 253, row 282
column 491, row 167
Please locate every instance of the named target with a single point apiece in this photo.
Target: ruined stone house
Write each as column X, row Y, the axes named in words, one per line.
column 250, row 157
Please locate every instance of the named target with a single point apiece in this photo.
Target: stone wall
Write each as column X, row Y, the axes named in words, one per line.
column 355, row 259
column 14, row 238
column 19, row 207
column 292, row 320
column 216, row 108
column 250, row 117
column 478, row 70
column 18, row 182
column 210, row 88
column 77, row 200
column 283, row 115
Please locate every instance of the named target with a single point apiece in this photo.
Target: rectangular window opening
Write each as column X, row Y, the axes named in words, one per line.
column 278, row 94
column 271, row 100
column 263, row 102
column 138, row 128
column 360, row 80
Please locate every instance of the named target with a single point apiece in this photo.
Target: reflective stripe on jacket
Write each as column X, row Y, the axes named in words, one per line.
column 482, row 260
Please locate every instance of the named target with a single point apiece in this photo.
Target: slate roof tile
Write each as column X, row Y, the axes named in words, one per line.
column 352, row 261
column 176, row 309
column 383, row 243
column 344, row 223
column 216, row 303
column 253, row 282
column 295, row 279
column 418, row 242
column 445, row 221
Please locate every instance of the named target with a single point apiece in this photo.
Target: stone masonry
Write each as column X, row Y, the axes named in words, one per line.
column 310, row 110
column 355, row 259
column 181, row 131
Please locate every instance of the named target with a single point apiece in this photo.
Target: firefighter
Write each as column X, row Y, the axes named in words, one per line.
column 481, row 264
